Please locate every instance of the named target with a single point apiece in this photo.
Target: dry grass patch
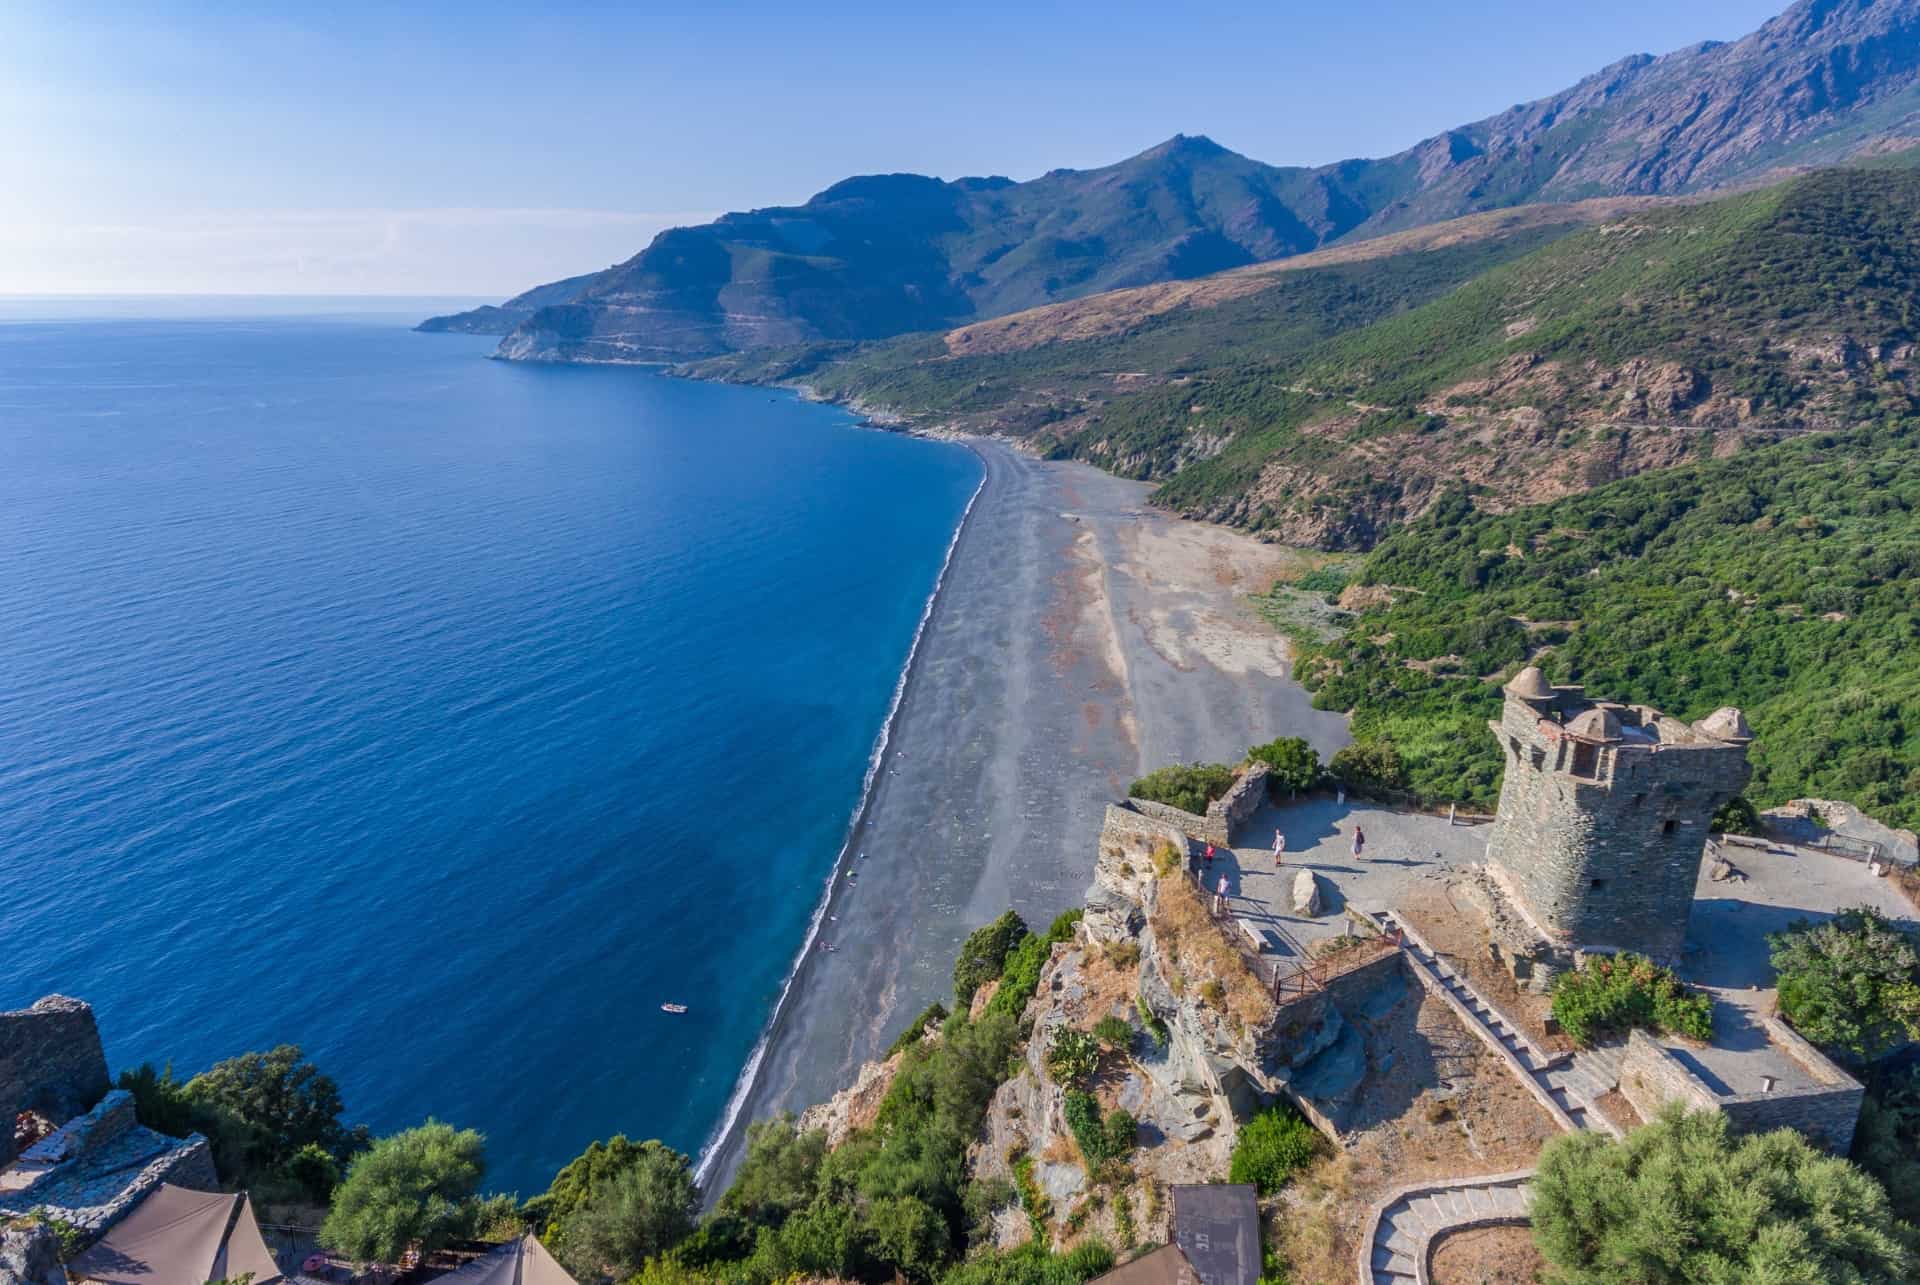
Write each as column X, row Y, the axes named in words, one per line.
column 1488, row 1256
column 1199, row 950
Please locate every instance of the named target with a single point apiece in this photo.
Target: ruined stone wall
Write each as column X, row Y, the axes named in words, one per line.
column 1232, row 810
column 51, row 1062
column 1650, row 1077
column 1224, row 816
column 1608, row 858
column 1207, row 829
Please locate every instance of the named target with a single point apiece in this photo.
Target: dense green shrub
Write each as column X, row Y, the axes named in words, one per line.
column 550, row 1210
column 1187, row 786
column 894, row 1198
column 269, row 1118
column 1781, row 580
column 1272, row 1147
column 1151, row 1022
column 1329, row 580
column 984, row 954
column 1679, row 1202
column 1061, row 929
column 1619, row 992
column 778, row 1173
column 1033, row 1264
column 1293, row 764
column 313, row 1171
column 1736, row 816
column 415, row 1185
column 1022, row 976
column 929, row 1019
column 1101, row 1138
column 1114, row 1033
column 1369, row 767
column 630, row 1213
column 1851, row 984
column 1072, row 1056
column 1886, row 1141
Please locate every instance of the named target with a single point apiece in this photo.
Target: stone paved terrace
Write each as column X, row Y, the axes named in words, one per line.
column 1726, row 952
column 1401, row 847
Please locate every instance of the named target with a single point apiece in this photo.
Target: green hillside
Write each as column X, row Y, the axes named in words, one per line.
column 1031, row 390
column 1784, row 580
column 1532, row 365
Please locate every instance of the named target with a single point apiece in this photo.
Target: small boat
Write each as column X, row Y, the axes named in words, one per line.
column 673, row 1008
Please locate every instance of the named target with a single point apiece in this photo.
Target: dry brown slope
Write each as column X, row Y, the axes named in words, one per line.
column 1115, row 311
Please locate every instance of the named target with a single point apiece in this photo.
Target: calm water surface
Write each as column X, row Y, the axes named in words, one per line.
column 439, row 715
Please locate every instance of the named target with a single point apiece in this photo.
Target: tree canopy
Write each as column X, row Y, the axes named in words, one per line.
column 1680, row 1202
column 414, row 1186
column 1851, row 984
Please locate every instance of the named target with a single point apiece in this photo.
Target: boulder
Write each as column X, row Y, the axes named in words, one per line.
column 30, row 1255
column 1306, row 894
column 1061, row 1181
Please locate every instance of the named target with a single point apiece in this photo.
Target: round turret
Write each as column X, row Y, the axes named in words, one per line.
column 1725, row 724
column 1595, row 725
column 1530, row 685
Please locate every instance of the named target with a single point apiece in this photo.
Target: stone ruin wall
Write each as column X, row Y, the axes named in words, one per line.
column 1650, row 1077
column 1224, row 816
column 1591, row 860
column 51, row 1062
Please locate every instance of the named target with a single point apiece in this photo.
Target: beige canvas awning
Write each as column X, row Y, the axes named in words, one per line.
column 177, row 1235
column 518, row 1262
column 245, row 1251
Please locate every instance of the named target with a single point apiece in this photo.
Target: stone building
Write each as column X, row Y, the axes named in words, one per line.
column 1604, row 814
column 98, row 1162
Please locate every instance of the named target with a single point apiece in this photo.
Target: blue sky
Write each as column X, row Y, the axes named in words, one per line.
column 477, row 148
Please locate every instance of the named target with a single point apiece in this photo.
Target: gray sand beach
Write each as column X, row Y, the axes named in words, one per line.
column 1080, row 639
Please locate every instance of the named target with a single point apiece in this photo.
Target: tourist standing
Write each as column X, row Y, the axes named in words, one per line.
column 1209, row 856
column 1359, row 843
column 1219, row 894
column 1279, row 844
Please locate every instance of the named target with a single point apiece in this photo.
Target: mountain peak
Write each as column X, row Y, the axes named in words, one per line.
column 1184, row 145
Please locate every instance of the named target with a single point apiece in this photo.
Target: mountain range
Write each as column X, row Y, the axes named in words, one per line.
column 885, row 255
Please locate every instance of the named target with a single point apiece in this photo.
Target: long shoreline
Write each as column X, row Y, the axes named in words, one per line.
column 730, row 1118
column 1074, row 636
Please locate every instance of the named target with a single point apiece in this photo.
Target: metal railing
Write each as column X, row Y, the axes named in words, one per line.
column 1288, row 977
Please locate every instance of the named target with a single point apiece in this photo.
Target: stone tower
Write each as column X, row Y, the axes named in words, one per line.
column 1604, row 814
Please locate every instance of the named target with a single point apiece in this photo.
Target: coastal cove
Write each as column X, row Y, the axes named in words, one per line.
column 442, row 716
column 578, row 729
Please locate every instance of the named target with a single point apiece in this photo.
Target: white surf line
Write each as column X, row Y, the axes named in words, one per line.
column 750, row 1073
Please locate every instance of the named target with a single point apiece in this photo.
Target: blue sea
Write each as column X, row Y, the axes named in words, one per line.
column 439, row 715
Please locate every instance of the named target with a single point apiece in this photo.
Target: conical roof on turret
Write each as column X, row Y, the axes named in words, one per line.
column 1530, row 685
column 1595, row 725
column 1725, row 724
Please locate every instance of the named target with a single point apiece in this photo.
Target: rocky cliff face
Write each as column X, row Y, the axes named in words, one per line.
column 889, row 254
column 1813, row 85
column 1209, row 1051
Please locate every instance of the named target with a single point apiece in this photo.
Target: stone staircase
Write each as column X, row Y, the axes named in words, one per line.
column 1404, row 1226
column 1566, row 1085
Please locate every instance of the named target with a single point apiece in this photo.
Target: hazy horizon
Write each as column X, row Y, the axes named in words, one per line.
column 476, row 151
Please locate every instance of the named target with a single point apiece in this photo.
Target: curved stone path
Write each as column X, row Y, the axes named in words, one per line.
column 1403, row 1228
